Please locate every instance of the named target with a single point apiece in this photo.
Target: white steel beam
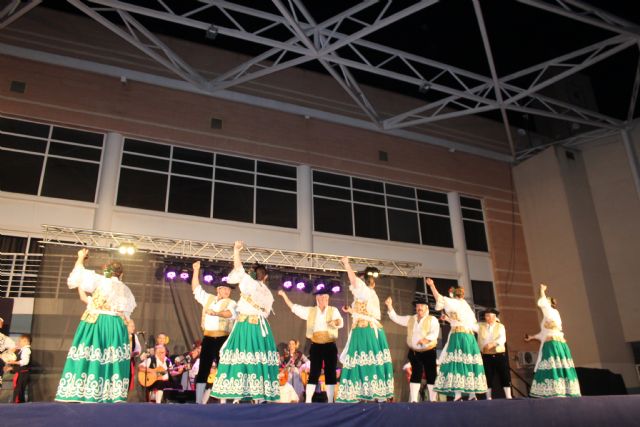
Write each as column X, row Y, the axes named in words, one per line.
column 634, row 92
column 15, row 9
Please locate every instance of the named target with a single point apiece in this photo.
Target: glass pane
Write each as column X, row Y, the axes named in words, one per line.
column 471, row 214
column 331, row 178
column 68, row 179
column 332, row 216
column 475, row 236
column 403, row 226
column 144, row 190
column 401, row 203
column 483, row 293
column 370, row 221
column 400, row 190
column 190, row 196
column 338, row 193
column 377, row 199
column 469, row 202
column 66, row 150
column 192, row 170
column 149, row 163
column 22, row 143
column 235, row 162
column 365, row 184
column 276, row 208
column 143, row 147
column 77, row 136
column 233, row 176
column 279, row 183
column 24, row 128
column 432, row 196
column 276, row 169
column 233, row 202
column 436, row 231
column 20, row 173
column 433, row 208
column 195, row 156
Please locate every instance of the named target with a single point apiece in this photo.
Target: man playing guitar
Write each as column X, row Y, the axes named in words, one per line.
column 154, row 372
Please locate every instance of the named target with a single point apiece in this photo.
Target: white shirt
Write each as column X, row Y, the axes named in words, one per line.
column 320, row 324
column 363, row 293
column 551, row 324
column 459, row 312
column 25, row 355
column 257, row 291
column 211, row 323
column 288, row 394
column 502, row 336
column 117, row 295
column 417, row 335
column 164, row 365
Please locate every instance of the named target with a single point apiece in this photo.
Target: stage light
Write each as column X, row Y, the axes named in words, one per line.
column 319, row 285
column 127, row 249
column 185, row 274
column 212, row 32
column 300, row 285
column 170, row 273
column 335, row 286
column 287, row 283
column 225, row 279
column 207, row 277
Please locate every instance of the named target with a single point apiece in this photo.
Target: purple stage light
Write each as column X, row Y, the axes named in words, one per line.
column 208, row 278
column 184, row 275
column 320, row 286
column 335, row 289
column 171, row 275
column 300, row 285
column 225, row 279
column 287, row 284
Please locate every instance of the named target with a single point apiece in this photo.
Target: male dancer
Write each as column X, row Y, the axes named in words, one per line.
column 218, row 314
column 323, row 322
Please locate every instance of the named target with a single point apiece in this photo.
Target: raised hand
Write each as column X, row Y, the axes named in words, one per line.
column 429, row 281
column 543, row 287
column 238, row 245
column 196, row 266
column 83, row 253
column 388, row 302
column 281, row 293
column 344, row 260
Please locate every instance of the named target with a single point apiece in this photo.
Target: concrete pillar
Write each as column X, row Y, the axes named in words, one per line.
column 305, row 208
column 107, row 187
column 459, row 244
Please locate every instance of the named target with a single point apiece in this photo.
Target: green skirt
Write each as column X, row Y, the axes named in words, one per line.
column 461, row 368
column 98, row 363
column 248, row 365
column 367, row 371
column 555, row 375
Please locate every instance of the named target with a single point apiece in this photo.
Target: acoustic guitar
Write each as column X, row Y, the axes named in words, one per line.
column 150, row 376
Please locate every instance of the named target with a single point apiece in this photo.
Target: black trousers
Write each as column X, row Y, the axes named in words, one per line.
column 209, row 353
column 327, row 354
column 21, row 386
column 497, row 364
column 423, row 361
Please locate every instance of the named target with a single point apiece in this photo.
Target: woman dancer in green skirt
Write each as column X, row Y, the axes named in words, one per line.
column 98, row 363
column 249, row 359
column 555, row 374
column 461, row 368
column 367, row 372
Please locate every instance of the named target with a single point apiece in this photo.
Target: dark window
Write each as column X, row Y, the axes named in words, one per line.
column 68, row 150
column 149, row 148
column 235, row 162
column 190, row 196
column 279, row 183
column 195, row 156
column 468, row 202
column 25, row 128
column 276, row 208
column 77, row 136
column 475, row 236
column 22, row 143
column 192, row 170
column 443, row 286
column 483, row 293
column 403, row 226
column 13, row 244
column 433, row 208
column 143, row 190
column 68, row 179
column 338, row 193
column 400, row 190
column 278, row 170
column 432, row 196
column 233, row 202
column 332, row 216
column 20, row 173
column 396, row 202
column 471, row 214
column 370, row 221
column 149, row 163
column 331, row 178
column 436, row 231
column 376, row 199
column 233, row 176
column 365, row 184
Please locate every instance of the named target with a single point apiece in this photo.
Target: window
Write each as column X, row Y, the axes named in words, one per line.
column 378, row 210
column 46, row 160
column 181, row 180
column 483, row 293
column 473, row 223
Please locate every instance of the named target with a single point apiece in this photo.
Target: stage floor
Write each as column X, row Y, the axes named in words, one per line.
column 585, row 411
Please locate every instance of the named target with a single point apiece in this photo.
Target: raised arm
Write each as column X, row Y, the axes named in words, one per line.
column 237, row 247
column 82, row 255
column 347, row 266
column 543, row 290
column 429, row 282
column 195, row 279
column 286, row 299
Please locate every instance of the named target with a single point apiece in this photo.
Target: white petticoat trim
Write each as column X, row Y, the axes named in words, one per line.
column 361, row 358
column 237, row 357
column 469, row 383
column 376, row 388
column 249, row 385
column 90, row 388
column 555, row 388
column 104, row 356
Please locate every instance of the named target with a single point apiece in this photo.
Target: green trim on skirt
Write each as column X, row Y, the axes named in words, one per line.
column 367, row 371
column 98, row 363
column 462, row 369
column 248, row 365
column 555, row 375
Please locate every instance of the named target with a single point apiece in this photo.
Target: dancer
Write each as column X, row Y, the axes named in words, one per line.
column 218, row 315
column 554, row 374
column 367, row 372
column 249, row 358
column 323, row 322
column 22, row 368
column 461, row 369
column 7, row 350
column 492, row 337
column 97, row 367
column 422, row 339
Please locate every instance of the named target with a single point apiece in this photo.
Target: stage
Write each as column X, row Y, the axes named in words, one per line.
column 585, row 411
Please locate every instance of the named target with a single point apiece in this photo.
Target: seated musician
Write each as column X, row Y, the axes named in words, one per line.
column 158, row 368
column 287, row 392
